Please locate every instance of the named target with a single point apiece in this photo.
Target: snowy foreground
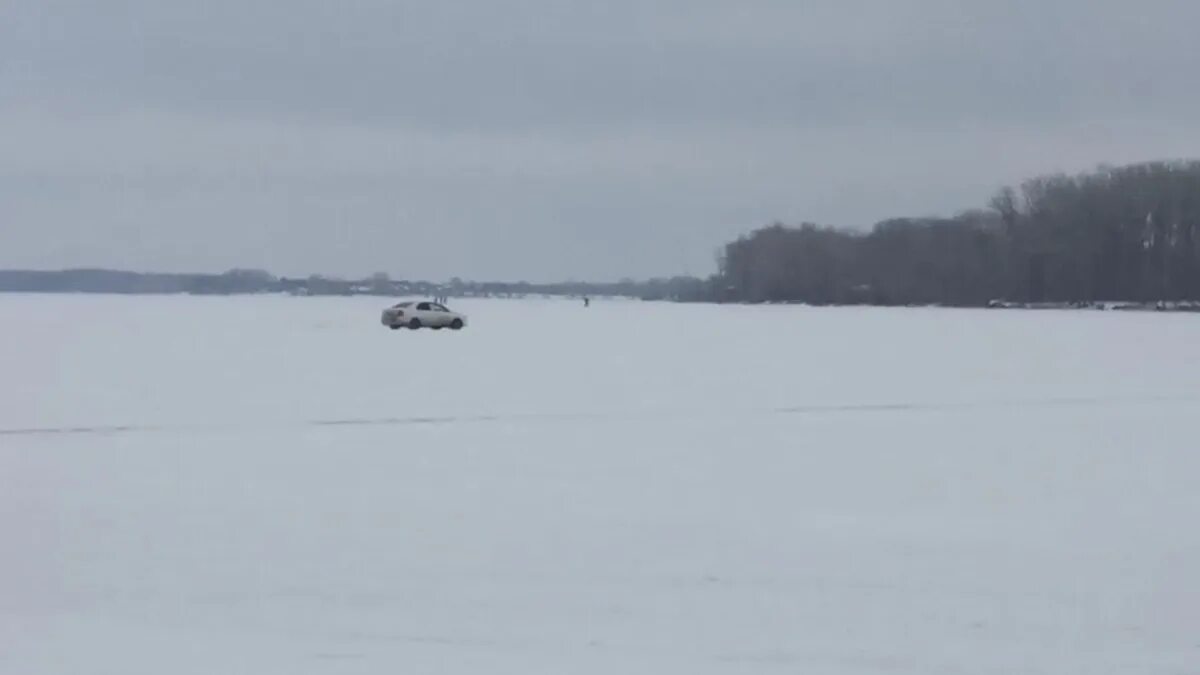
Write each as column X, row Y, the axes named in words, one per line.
column 269, row 485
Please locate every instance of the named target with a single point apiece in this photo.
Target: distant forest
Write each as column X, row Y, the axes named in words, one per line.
column 1123, row 234
column 244, row 281
column 1128, row 234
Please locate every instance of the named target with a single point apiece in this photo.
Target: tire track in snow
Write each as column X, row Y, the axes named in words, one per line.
column 815, row 409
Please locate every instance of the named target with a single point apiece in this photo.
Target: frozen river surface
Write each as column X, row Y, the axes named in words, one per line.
column 270, row 485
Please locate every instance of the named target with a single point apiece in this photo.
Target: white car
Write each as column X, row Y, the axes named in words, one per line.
column 416, row 315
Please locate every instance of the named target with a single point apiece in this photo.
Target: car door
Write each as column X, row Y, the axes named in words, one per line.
column 441, row 315
column 425, row 314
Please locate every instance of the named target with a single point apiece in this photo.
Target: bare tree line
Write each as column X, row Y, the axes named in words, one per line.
column 1122, row 234
column 1128, row 233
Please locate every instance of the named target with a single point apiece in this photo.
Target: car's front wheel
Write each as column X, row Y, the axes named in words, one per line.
column 395, row 326
column 414, row 324
column 456, row 324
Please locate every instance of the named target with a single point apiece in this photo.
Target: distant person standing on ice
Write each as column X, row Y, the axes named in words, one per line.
column 587, row 302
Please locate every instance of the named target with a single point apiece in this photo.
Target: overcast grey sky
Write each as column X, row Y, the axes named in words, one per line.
column 547, row 139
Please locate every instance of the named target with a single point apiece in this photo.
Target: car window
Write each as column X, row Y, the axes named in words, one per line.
column 440, row 308
column 424, row 306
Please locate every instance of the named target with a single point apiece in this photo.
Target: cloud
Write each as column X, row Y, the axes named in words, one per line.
column 543, row 138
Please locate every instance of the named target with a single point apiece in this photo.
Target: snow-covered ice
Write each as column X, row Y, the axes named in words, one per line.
column 280, row 485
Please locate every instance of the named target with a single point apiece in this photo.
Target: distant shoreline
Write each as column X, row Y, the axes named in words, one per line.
column 251, row 282
column 239, row 283
column 257, row 282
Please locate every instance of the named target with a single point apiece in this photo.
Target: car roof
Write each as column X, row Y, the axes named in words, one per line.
column 410, row 303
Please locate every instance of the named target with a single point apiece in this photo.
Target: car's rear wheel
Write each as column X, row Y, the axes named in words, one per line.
column 456, row 324
column 395, row 326
column 414, row 324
